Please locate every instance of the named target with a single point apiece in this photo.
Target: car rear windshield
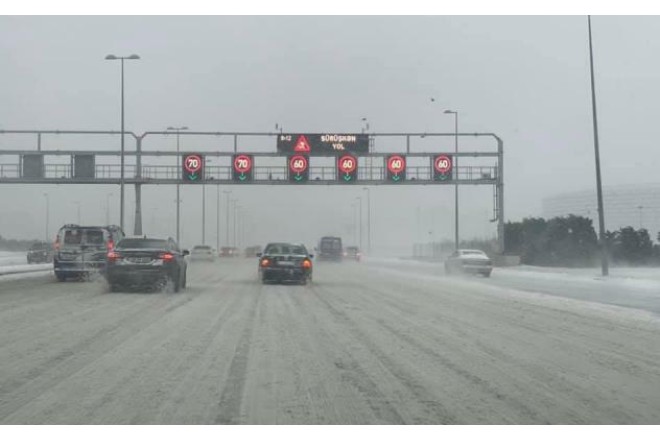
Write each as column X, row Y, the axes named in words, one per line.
column 39, row 246
column 143, row 243
column 79, row 236
column 286, row 249
column 202, row 247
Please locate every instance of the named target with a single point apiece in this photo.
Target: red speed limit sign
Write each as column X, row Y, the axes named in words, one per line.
column 347, row 167
column 192, row 163
column 193, row 167
column 396, row 164
column 298, row 168
column 442, row 164
column 347, row 164
column 442, row 167
column 242, row 170
column 396, row 168
column 298, row 164
column 243, row 163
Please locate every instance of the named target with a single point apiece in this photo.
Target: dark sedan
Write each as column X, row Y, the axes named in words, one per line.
column 146, row 263
column 40, row 252
column 285, row 262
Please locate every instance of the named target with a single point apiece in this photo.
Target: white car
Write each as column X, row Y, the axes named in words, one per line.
column 469, row 261
column 202, row 252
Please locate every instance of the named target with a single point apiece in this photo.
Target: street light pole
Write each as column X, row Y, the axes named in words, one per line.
column 121, row 178
column 107, row 208
column 47, row 214
column 227, row 193
column 178, row 189
column 78, row 204
column 236, row 209
column 599, row 189
column 368, row 218
column 217, row 219
column 360, row 227
column 355, row 229
column 456, row 242
column 203, row 214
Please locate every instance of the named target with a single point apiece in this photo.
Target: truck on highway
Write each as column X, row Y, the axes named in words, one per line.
column 330, row 248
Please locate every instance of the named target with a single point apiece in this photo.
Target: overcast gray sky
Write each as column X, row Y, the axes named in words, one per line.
column 523, row 78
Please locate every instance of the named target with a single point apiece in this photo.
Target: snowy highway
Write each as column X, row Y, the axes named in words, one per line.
column 377, row 342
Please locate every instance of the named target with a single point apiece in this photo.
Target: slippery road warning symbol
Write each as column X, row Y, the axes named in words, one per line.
column 302, row 146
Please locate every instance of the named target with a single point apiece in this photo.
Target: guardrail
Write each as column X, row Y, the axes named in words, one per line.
column 26, row 268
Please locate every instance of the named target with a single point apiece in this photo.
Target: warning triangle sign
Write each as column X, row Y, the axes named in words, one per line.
column 302, row 145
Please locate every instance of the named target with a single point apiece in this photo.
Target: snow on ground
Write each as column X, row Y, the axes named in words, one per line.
column 16, row 269
column 12, row 258
column 19, row 276
column 13, row 265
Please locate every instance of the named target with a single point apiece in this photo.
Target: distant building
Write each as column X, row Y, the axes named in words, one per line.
column 637, row 206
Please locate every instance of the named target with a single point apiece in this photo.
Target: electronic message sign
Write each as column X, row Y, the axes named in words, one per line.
column 193, row 167
column 242, row 168
column 396, row 168
column 442, row 167
column 347, row 166
column 298, row 168
column 322, row 144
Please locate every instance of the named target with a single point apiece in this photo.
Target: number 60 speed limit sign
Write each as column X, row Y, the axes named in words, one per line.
column 442, row 167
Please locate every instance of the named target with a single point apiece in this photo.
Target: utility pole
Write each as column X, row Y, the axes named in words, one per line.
column 47, row 214
column 121, row 179
column 360, row 227
column 456, row 239
column 203, row 214
column 217, row 219
column 178, row 189
column 601, row 213
column 368, row 218
column 227, row 193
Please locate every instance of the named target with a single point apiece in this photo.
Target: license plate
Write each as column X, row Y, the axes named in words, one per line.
column 286, row 263
column 139, row 259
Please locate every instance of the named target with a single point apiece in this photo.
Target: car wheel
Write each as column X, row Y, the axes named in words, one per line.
column 176, row 283
column 486, row 274
column 61, row 277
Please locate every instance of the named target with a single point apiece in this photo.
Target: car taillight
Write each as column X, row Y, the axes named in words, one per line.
column 167, row 257
column 265, row 262
column 110, row 245
column 113, row 256
column 56, row 245
column 307, row 263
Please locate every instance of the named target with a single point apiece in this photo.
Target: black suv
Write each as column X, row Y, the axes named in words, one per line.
column 81, row 250
column 40, row 252
column 146, row 263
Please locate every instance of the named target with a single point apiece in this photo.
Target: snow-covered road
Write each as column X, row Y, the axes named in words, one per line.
column 372, row 342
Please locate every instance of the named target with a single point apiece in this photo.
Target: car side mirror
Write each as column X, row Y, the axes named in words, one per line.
column 186, row 252
column 258, row 254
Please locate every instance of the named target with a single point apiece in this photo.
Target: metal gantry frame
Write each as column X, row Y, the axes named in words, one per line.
column 264, row 175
